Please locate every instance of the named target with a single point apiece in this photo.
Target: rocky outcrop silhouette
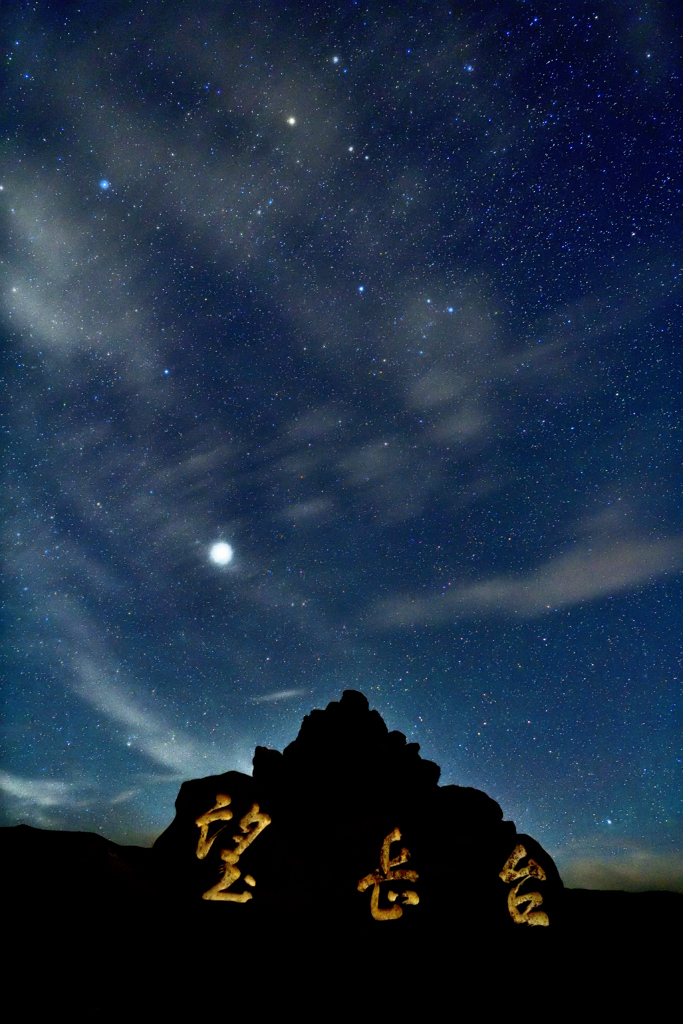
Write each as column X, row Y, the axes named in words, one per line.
column 341, row 857
column 349, row 829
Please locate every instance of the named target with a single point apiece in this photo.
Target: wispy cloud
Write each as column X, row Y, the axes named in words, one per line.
column 582, row 574
column 42, row 802
column 279, row 695
column 39, row 792
column 148, row 732
column 307, row 510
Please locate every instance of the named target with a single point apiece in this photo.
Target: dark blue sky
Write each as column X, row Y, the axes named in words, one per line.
column 388, row 299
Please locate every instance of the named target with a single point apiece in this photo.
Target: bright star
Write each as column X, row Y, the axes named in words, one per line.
column 104, row 184
column 291, row 120
column 220, row 553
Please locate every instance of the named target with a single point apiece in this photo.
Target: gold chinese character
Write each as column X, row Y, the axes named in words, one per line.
column 387, row 873
column 219, row 812
column 512, row 873
column 254, row 817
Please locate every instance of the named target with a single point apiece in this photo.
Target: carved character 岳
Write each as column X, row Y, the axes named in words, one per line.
column 387, row 872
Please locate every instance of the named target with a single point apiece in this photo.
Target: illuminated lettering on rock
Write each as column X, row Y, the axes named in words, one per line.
column 522, row 906
column 251, row 825
column 390, row 871
column 516, row 899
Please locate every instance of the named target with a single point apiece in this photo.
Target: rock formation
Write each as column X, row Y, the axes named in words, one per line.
column 340, row 860
column 349, row 829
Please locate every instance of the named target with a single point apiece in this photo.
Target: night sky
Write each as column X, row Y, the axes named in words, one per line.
column 385, row 301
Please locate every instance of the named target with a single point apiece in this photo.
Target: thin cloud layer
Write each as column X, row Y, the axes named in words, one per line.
column 583, row 574
column 148, row 732
column 41, row 793
column 45, row 803
column 269, row 698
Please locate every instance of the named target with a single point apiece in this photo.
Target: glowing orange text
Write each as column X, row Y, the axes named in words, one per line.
column 513, row 873
column 251, row 825
column 390, row 871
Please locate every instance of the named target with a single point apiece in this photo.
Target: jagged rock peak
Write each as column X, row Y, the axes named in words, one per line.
column 351, row 714
column 350, row 738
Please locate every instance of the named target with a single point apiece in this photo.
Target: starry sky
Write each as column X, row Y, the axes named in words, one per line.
column 342, row 350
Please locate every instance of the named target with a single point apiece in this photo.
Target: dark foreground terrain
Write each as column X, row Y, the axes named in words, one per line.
column 339, row 875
